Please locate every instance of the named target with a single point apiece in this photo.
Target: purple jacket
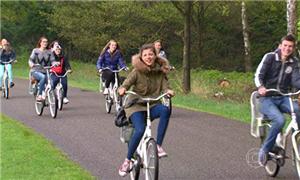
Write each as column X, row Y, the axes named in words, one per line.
column 111, row 61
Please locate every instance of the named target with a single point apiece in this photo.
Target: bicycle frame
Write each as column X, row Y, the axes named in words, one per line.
column 142, row 147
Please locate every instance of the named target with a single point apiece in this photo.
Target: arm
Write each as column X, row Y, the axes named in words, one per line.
column 296, row 75
column 100, row 61
column 32, row 59
column 12, row 56
column 129, row 81
column 121, row 61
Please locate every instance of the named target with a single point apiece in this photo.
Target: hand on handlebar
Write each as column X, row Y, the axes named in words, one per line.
column 69, row 71
column 121, row 91
column 170, row 93
column 55, row 63
column 100, row 71
column 262, row 91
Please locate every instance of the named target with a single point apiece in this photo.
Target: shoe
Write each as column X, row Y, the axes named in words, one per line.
column 262, row 157
column 39, row 98
column 11, row 84
column 125, row 168
column 43, row 95
column 161, row 152
column 105, row 92
column 66, row 100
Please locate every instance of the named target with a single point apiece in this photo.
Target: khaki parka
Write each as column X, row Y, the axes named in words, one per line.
column 145, row 81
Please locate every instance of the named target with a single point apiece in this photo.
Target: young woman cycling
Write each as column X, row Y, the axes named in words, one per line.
column 41, row 57
column 159, row 50
column 110, row 57
column 60, row 70
column 6, row 55
column 148, row 78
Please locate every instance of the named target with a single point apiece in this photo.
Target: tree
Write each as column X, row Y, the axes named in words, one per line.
column 291, row 15
column 248, row 64
column 186, row 12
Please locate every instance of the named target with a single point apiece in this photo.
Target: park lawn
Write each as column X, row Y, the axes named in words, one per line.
column 28, row 155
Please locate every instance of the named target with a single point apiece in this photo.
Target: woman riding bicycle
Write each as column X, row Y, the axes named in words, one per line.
column 110, row 57
column 6, row 55
column 60, row 70
column 41, row 57
column 148, row 78
column 159, row 49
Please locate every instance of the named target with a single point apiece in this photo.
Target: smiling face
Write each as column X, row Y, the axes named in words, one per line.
column 287, row 48
column 148, row 57
column 112, row 46
column 44, row 43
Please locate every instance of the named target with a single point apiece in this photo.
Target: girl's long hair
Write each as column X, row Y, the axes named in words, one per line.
column 38, row 45
column 107, row 46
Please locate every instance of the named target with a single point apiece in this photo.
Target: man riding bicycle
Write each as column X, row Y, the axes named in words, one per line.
column 277, row 70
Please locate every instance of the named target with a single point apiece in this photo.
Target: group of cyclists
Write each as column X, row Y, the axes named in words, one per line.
column 148, row 78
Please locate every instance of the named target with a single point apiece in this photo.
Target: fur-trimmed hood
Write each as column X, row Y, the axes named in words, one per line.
column 161, row 64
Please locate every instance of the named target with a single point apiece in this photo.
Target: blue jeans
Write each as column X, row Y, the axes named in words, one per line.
column 9, row 71
column 42, row 79
column 64, row 82
column 273, row 108
column 139, row 123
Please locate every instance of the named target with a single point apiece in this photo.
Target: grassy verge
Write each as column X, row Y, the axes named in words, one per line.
column 27, row 155
column 232, row 104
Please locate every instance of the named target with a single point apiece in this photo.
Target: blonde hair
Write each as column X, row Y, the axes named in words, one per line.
column 107, row 46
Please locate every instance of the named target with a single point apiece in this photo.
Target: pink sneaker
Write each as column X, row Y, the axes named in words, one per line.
column 125, row 168
column 161, row 152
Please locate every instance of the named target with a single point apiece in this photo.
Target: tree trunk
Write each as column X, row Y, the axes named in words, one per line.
column 291, row 15
column 187, row 47
column 247, row 60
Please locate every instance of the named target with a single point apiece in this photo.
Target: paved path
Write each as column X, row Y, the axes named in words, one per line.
column 200, row 145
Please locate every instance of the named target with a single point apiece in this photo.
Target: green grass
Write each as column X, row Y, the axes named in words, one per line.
column 27, row 155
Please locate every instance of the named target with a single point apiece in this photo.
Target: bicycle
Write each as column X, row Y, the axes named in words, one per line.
column 259, row 129
column 59, row 91
column 5, row 83
column 112, row 97
column 50, row 99
column 146, row 156
column 167, row 101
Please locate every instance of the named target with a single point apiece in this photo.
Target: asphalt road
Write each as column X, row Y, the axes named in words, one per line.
column 200, row 145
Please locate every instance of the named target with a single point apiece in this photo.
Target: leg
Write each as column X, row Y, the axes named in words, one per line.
column 41, row 78
column 10, row 75
column 54, row 81
column 138, row 120
column 1, row 74
column 64, row 82
column 270, row 109
column 286, row 108
column 107, row 75
column 162, row 112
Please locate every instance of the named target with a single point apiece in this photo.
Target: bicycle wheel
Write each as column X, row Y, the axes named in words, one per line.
column 151, row 161
column 119, row 103
column 167, row 102
column 108, row 103
column 135, row 172
column 52, row 103
column 60, row 98
column 6, row 88
column 272, row 168
column 39, row 107
column 296, row 161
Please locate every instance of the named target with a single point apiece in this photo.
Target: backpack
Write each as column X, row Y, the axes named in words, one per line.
column 58, row 69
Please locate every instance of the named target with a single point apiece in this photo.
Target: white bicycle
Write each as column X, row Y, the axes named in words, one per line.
column 112, row 97
column 5, row 82
column 260, row 126
column 146, row 156
column 59, row 91
column 50, row 100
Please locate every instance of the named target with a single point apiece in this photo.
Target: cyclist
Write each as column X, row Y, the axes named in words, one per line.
column 159, row 50
column 110, row 57
column 148, row 78
column 60, row 69
column 40, row 57
column 279, row 70
column 6, row 55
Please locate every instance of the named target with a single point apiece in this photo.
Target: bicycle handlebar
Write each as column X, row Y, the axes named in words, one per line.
column 68, row 71
column 115, row 71
column 8, row 61
column 148, row 99
column 281, row 93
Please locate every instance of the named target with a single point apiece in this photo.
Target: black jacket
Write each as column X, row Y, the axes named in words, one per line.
column 273, row 73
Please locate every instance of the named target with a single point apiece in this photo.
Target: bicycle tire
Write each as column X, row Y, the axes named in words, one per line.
column 296, row 161
column 108, row 103
column 39, row 107
column 52, row 103
column 135, row 172
column 272, row 168
column 151, row 161
column 6, row 91
column 60, row 98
